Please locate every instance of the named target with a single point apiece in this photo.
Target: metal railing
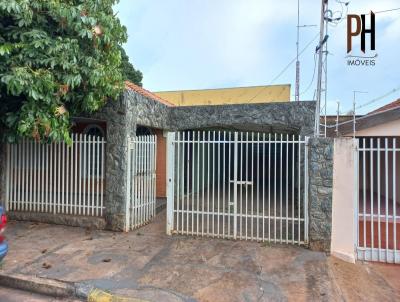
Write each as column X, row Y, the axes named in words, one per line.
column 141, row 183
column 57, row 178
column 378, row 223
column 239, row 185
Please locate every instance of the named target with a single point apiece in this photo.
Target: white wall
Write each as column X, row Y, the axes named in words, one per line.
column 344, row 230
column 387, row 129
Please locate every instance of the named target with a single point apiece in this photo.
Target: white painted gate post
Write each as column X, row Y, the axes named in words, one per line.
column 128, row 185
column 170, row 181
column 235, row 184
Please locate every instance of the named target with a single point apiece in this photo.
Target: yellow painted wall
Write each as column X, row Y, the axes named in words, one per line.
column 239, row 95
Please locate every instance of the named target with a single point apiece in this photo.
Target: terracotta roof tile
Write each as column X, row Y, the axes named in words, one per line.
column 146, row 93
column 389, row 106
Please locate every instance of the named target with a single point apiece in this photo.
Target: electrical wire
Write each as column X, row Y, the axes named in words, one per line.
column 313, row 76
column 286, row 67
column 294, row 60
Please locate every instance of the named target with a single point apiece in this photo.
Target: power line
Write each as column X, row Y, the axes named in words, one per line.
column 375, row 99
column 286, row 67
column 313, row 76
column 292, row 61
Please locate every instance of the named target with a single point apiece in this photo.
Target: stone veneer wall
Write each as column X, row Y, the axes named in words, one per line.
column 320, row 172
column 289, row 117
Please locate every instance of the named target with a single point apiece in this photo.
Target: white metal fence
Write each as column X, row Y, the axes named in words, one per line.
column 378, row 223
column 56, row 178
column 250, row 186
column 141, row 185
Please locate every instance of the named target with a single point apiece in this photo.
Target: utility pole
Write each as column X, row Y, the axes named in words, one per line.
column 297, row 92
column 354, row 110
column 322, row 40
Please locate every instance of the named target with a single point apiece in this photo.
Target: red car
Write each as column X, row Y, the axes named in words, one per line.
column 3, row 242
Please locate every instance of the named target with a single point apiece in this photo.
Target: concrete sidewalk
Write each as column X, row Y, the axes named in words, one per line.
column 149, row 265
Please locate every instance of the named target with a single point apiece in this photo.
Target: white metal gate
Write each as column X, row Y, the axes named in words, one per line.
column 378, row 220
column 56, row 178
column 239, row 185
column 141, row 185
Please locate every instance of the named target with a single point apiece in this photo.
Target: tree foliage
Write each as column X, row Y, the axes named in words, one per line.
column 128, row 71
column 58, row 58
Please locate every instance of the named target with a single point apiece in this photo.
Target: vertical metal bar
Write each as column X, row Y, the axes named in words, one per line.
column 306, row 190
column 170, row 176
column 51, row 187
column 257, row 187
column 8, row 178
column 252, row 186
column 188, row 182
column 299, row 195
column 208, row 185
column 102, row 167
column 364, row 196
column 229, row 183
column 293, row 185
column 241, row 187
column 22, row 172
column 93, row 175
column 34, row 175
column 287, row 188
column 193, row 180
column 128, row 196
column 235, row 177
column 42, row 171
column 59, row 166
column 223, row 184
column 31, row 206
column 213, row 184
column 275, row 178
column 98, row 146
column 84, row 203
column 269, row 187
column 246, row 178
column 178, row 176
column 198, row 182
column 280, row 188
column 217, row 147
column 203, row 184
column 394, row 203
column 81, row 167
column 386, row 198
column 379, row 198
column 63, row 178
column 263, row 188
column 371, row 193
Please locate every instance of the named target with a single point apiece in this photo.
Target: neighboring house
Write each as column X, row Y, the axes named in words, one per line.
column 378, row 165
column 223, row 96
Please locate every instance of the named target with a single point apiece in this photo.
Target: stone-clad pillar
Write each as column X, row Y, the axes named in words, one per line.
column 120, row 124
column 320, row 171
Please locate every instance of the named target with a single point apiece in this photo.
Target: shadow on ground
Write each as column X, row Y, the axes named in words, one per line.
column 150, row 265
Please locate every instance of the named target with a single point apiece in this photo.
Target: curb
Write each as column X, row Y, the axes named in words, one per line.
column 60, row 289
column 38, row 285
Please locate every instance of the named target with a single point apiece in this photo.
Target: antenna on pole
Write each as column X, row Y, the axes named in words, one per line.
column 337, row 118
column 297, row 92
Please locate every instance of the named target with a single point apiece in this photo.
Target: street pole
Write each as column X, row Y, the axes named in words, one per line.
column 324, row 6
column 297, row 88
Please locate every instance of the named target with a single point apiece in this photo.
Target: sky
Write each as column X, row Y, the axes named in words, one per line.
column 199, row 44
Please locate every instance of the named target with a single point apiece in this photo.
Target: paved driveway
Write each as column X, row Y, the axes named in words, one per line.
column 150, row 265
